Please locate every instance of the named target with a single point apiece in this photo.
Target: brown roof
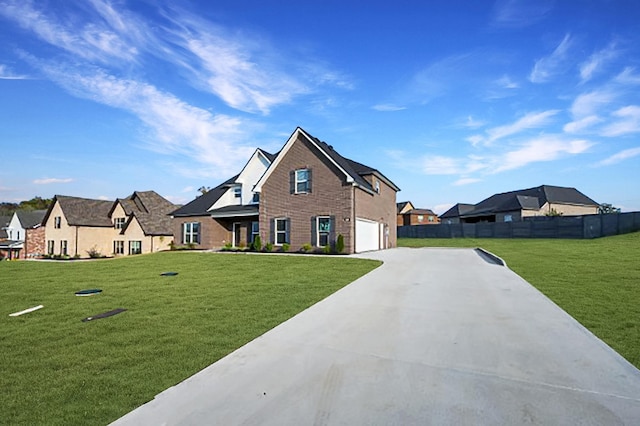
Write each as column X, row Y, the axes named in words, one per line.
column 421, row 211
column 83, row 211
column 151, row 210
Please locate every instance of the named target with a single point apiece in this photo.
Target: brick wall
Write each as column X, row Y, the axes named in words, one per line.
column 379, row 208
column 34, row 243
column 330, row 196
column 214, row 234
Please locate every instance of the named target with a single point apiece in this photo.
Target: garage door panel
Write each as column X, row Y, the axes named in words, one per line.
column 367, row 235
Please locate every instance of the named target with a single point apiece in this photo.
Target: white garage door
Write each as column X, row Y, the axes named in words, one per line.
column 367, row 235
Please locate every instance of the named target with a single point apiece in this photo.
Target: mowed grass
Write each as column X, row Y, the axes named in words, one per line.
column 595, row 281
column 56, row 369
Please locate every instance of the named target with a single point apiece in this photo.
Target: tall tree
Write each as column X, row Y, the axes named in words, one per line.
column 607, row 209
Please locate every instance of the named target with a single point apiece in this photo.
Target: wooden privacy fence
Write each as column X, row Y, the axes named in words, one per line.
column 590, row 226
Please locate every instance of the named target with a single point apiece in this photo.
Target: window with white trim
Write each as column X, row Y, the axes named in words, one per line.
column 281, row 231
column 302, row 184
column 135, row 247
column 50, row 246
column 118, row 222
column 323, row 229
column 191, row 233
column 57, row 221
column 237, row 192
column 63, row 247
column 118, row 247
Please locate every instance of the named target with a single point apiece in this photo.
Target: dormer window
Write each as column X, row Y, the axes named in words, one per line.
column 118, row 222
column 256, row 197
column 237, row 192
column 57, row 221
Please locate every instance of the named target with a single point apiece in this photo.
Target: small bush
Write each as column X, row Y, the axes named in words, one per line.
column 257, row 244
column 94, row 253
column 242, row 245
column 286, row 247
column 340, row 243
column 326, row 249
column 172, row 246
column 306, row 248
column 268, row 247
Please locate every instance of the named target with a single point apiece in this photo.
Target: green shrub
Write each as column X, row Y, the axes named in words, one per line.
column 227, row 246
column 268, row 247
column 257, row 244
column 94, row 253
column 326, row 249
column 306, row 248
column 286, row 247
column 340, row 243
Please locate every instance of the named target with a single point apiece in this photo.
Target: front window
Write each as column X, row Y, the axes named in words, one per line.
column 255, row 230
column 191, row 233
column 118, row 222
column 50, row 246
column 323, row 228
column 508, row 218
column 118, row 247
column 63, row 248
column 302, row 181
column 57, row 221
column 135, row 247
column 282, row 235
column 420, row 218
column 431, row 219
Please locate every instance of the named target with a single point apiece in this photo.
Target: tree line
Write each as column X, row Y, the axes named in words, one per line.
column 36, row 203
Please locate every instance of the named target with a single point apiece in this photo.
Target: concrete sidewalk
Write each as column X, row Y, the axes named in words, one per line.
column 434, row 336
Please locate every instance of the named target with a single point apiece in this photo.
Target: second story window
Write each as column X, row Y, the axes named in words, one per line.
column 256, row 197
column 300, row 181
column 57, row 221
column 118, row 222
column 237, row 192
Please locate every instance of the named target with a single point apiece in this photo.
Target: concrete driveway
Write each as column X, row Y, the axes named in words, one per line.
column 434, row 336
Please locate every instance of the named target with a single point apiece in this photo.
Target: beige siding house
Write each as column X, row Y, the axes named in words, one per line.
column 81, row 227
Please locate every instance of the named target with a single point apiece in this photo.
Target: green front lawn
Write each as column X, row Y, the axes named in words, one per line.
column 56, row 369
column 595, row 281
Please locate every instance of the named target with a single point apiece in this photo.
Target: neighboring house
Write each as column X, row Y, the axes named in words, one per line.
column 516, row 205
column 420, row 217
column 402, row 208
column 137, row 224
column 6, row 245
column 26, row 233
column 306, row 194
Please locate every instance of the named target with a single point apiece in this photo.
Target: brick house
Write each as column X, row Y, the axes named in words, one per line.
column 137, row 224
column 419, row 217
column 306, row 194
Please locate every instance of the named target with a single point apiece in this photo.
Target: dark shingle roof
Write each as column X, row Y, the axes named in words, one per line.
column 421, row 211
column 201, row 205
column 457, row 210
column 356, row 170
column 30, row 219
column 151, row 210
column 83, row 211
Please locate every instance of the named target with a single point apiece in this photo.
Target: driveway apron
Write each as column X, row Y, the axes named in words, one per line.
column 433, row 336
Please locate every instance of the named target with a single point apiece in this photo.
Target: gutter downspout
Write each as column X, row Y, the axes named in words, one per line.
column 76, row 241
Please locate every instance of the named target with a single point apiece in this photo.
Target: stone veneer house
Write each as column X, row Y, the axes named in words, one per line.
column 514, row 206
column 306, row 194
column 137, row 224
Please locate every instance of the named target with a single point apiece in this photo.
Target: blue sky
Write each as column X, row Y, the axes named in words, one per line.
column 452, row 100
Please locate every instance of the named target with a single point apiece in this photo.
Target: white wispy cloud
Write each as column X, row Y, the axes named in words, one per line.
column 597, row 61
column 91, row 40
column 627, row 121
column 620, row 156
column 628, row 76
column 177, row 127
column 520, row 13
column 473, row 123
column 582, row 125
column 588, row 104
column 547, row 67
column 466, row 181
column 531, row 120
column 48, row 181
column 7, row 74
column 544, row 148
column 388, row 107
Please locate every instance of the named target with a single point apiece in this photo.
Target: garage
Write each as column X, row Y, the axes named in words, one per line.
column 367, row 235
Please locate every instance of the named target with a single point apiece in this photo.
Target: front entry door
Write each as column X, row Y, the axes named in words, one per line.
column 236, row 234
